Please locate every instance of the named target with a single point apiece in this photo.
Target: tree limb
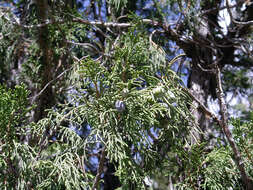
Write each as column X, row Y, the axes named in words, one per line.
column 235, row 21
column 202, row 106
column 224, row 125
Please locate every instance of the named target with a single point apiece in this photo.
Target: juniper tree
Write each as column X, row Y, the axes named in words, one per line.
column 119, row 95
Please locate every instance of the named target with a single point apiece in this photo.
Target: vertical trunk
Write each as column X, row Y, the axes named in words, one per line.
column 51, row 64
column 46, row 99
column 198, row 83
column 201, row 82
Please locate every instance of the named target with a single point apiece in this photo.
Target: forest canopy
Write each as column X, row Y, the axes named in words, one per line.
column 120, row 94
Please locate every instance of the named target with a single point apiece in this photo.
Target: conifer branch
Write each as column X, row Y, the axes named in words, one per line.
column 224, row 125
column 47, row 22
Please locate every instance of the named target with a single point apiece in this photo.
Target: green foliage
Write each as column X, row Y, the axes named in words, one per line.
column 13, row 110
column 243, row 135
column 34, row 166
column 128, row 76
column 215, row 168
column 237, row 80
column 123, row 101
column 118, row 3
column 210, row 170
column 9, row 35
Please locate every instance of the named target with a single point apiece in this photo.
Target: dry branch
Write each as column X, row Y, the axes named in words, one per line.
column 224, row 125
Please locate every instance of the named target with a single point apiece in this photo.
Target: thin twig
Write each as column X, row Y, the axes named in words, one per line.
column 50, row 82
column 235, row 21
column 99, row 170
column 202, row 106
column 88, row 46
column 208, row 11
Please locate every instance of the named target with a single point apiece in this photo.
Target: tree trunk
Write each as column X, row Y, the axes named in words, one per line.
column 46, row 99
column 198, row 83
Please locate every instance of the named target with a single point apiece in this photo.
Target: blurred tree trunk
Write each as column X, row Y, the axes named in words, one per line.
column 46, row 99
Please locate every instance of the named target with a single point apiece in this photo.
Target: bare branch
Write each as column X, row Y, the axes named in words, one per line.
column 208, row 11
column 224, row 125
column 235, row 21
column 83, row 21
column 87, row 46
column 202, row 106
column 50, row 82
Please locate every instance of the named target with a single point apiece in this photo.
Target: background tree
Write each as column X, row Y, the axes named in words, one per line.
column 126, row 93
